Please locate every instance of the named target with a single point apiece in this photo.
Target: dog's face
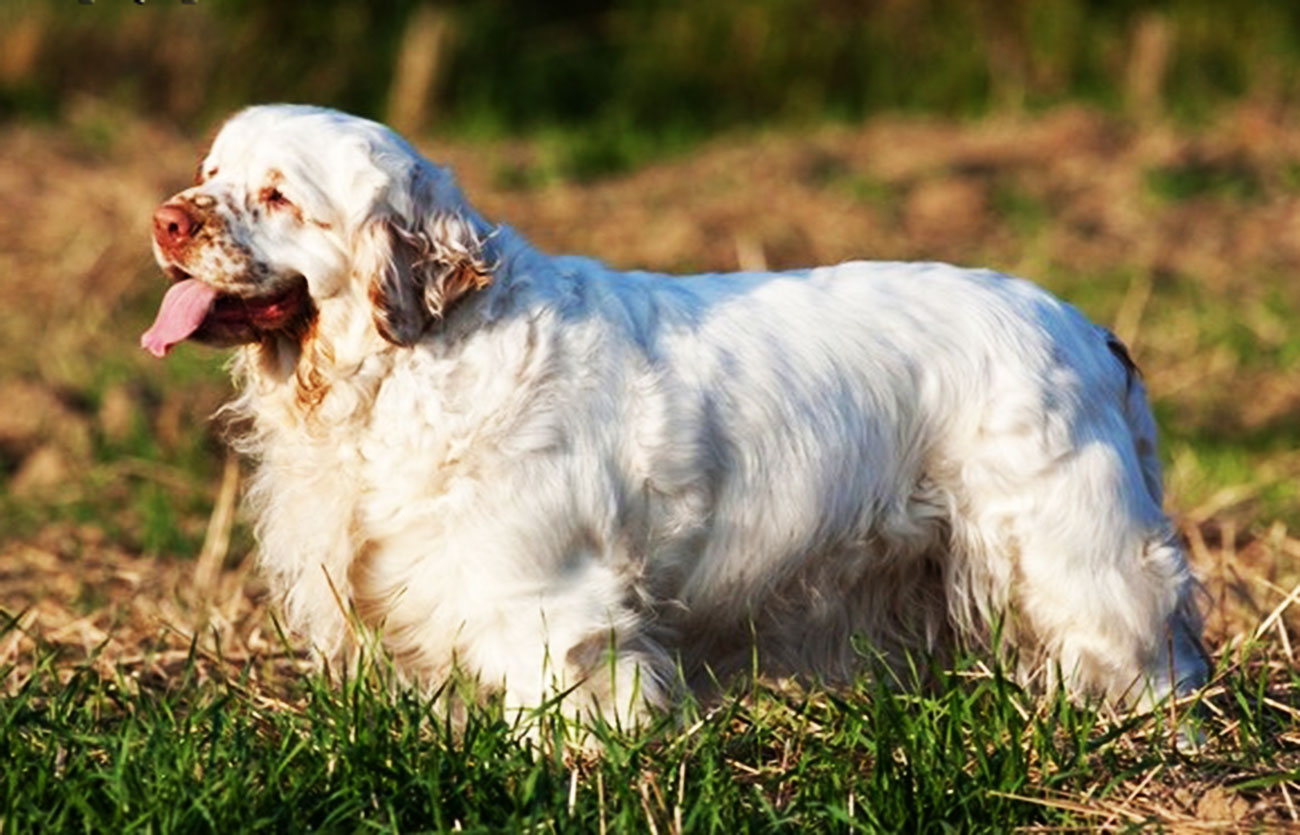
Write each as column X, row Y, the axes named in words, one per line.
column 294, row 206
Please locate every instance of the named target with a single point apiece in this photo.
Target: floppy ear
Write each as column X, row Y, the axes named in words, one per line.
column 419, row 270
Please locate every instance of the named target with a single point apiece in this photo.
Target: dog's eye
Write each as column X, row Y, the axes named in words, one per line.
column 272, row 197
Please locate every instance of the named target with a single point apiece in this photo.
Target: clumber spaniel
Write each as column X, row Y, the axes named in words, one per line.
column 552, row 475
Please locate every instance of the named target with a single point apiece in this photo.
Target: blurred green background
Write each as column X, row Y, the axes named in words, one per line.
column 635, row 78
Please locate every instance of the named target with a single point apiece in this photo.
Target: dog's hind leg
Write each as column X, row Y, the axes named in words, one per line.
column 1068, row 538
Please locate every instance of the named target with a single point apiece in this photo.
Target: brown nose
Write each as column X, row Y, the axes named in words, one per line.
column 173, row 226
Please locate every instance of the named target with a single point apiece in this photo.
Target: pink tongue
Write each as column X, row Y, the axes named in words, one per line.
column 180, row 315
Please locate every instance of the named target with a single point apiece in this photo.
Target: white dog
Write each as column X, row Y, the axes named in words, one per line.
column 552, row 475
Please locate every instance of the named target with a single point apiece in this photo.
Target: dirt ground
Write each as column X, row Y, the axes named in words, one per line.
column 1182, row 240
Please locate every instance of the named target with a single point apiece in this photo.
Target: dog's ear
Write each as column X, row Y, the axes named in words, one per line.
column 418, row 270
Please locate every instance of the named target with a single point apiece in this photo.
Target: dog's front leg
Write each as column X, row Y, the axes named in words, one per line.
column 562, row 632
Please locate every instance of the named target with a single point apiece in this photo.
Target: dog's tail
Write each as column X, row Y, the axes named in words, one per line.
column 1185, row 622
column 1137, row 413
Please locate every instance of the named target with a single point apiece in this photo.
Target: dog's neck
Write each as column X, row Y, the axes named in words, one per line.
column 317, row 380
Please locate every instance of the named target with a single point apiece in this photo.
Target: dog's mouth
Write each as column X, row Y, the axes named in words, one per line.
column 194, row 309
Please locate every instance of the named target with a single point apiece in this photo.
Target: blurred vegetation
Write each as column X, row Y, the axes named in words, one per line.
column 629, row 78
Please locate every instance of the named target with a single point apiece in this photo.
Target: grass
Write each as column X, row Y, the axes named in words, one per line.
column 228, row 746
column 1204, row 179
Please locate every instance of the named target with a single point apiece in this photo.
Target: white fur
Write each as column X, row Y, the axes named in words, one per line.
column 685, row 471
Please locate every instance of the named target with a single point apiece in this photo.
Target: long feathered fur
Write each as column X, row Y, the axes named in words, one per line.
column 555, row 475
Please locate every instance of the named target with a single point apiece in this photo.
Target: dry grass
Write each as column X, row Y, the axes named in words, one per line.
column 1184, row 242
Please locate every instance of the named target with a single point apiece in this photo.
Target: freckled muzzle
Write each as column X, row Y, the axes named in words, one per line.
column 181, row 224
column 193, row 308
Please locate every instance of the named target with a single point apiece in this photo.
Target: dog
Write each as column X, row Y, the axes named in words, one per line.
column 620, row 486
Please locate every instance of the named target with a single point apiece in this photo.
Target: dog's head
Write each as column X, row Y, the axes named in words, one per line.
column 296, row 206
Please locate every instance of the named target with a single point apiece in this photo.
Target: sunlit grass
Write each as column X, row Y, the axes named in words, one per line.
column 230, row 747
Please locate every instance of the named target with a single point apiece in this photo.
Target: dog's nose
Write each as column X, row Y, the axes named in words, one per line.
column 173, row 225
